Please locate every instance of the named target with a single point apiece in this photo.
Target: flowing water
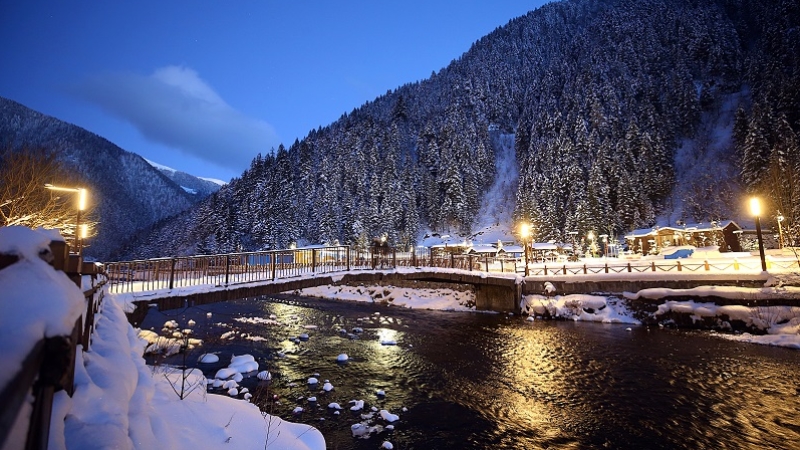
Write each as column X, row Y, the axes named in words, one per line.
column 473, row 381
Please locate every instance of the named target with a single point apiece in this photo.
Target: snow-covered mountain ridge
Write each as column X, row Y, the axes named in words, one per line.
column 625, row 114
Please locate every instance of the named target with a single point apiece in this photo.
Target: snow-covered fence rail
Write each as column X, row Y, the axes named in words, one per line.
column 50, row 365
column 613, row 266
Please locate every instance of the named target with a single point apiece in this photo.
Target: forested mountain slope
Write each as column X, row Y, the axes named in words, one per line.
column 602, row 97
column 126, row 193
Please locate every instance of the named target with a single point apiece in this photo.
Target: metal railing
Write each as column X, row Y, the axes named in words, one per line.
column 237, row 268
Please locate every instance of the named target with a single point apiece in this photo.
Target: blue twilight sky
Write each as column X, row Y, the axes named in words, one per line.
column 203, row 86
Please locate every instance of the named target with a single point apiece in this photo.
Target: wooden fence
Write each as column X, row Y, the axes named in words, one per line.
column 50, row 365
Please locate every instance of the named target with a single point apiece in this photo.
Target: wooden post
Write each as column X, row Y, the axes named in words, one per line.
column 629, row 266
column 394, row 257
column 452, row 261
column 486, row 258
column 348, row 258
column 470, row 262
column 227, row 268
column 606, row 267
column 584, row 269
column 653, row 265
column 273, row 259
column 313, row 260
column 679, row 265
column 172, row 274
column 705, row 263
column 413, row 257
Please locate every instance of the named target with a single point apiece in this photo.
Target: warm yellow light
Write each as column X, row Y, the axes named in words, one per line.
column 81, row 199
column 81, row 194
column 84, row 231
column 525, row 230
column 591, row 235
column 755, row 206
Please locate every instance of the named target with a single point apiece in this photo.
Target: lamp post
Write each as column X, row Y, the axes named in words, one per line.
column 80, row 231
column 525, row 232
column 755, row 210
column 780, row 229
column 604, row 238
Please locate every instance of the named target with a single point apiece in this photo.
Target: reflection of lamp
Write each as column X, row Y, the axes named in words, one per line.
column 80, row 231
column 525, row 232
column 755, row 210
column 780, row 229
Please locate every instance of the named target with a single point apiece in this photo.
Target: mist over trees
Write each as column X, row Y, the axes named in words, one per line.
column 622, row 111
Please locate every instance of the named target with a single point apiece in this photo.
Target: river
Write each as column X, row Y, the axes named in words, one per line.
column 464, row 380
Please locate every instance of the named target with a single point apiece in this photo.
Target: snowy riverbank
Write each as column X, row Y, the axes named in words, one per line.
column 119, row 401
column 780, row 325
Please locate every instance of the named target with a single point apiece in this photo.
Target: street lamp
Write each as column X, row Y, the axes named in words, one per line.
column 525, row 232
column 755, row 210
column 780, row 229
column 80, row 230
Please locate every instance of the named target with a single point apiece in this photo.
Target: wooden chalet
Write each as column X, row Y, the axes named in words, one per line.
column 651, row 240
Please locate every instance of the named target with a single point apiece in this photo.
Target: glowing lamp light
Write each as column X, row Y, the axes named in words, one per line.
column 755, row 206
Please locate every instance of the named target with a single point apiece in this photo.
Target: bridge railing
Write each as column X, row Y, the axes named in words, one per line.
column 234, row 268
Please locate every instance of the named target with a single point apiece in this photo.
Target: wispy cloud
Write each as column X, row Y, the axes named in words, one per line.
column 174, row 106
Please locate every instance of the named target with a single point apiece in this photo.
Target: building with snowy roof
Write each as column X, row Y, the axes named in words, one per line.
column 650, row 240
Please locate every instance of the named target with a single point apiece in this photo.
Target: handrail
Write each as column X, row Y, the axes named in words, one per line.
column 246, row 267
column 48, row 368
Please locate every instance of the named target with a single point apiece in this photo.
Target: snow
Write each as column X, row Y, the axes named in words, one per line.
column 160, row 166
column 415, row 298
column 119, row 401
column 214, row 180
column 578, row 307
column 189, row 190
column 37, row 301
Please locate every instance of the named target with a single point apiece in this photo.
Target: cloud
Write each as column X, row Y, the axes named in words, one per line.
column 174, row 106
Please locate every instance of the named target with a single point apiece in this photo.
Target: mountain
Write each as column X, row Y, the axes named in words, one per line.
column 199, row 188
column 623, row 113
column 126, row 192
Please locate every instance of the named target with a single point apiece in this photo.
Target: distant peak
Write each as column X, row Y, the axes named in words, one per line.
column 160, row 166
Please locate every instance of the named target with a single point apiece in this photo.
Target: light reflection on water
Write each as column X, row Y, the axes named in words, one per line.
column 492, row 381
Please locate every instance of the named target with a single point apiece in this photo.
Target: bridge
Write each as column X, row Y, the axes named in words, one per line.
column 170, row 283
